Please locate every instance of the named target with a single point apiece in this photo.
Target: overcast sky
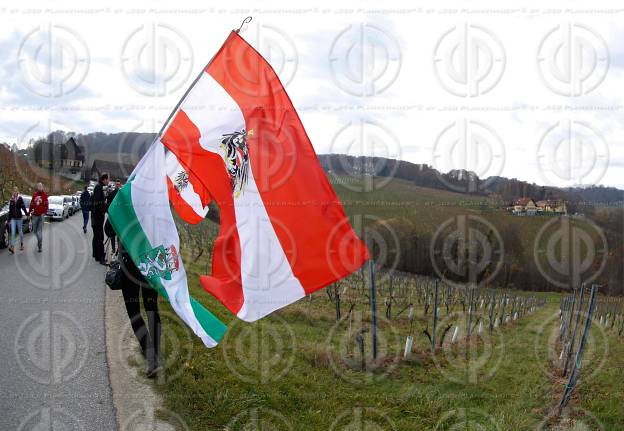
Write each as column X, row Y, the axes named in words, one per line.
column 529, row 92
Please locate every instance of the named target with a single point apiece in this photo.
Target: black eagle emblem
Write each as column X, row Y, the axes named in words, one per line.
column 181, row 180
column 236, row 155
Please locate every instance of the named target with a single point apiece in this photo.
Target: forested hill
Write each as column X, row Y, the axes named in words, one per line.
column 464, row 181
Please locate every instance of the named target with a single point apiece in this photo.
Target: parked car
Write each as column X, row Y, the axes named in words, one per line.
column 58, row 209
column 69, row 201
column 4, row 233
column 26, row 221
column 76, row 203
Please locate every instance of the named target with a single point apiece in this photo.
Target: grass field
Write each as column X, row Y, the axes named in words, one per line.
column 300, row 369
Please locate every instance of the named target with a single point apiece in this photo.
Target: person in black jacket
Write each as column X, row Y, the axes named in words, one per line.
column 133, row 284
column 16, row 208
column 85, row 203
column 108, row 230
column 98, row 211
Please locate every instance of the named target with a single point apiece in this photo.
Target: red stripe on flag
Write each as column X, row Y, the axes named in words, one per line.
column 298, row 198
column 182, row 138
column 184, row 210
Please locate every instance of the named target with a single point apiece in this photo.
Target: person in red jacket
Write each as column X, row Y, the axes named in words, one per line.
column 38, row 209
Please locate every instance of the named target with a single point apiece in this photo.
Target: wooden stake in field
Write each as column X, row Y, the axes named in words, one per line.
column 579, row 353
column 373, row 303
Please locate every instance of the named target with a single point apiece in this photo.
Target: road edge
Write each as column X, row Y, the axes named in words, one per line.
column 135, row 401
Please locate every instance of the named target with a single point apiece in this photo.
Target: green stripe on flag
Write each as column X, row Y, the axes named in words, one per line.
column 126, row 223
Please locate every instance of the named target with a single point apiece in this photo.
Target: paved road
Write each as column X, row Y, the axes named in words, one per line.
column 53, row 370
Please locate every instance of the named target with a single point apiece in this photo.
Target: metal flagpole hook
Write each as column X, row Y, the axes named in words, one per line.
column 245, row 21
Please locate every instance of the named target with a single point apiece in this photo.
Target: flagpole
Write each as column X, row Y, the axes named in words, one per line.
column 188, row 90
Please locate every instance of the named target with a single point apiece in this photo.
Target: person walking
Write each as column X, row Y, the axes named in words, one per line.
column 98, row 211
column 16, row 207
column 108, row 229
column 85, row 204
column 37, row 209
column 134, row 284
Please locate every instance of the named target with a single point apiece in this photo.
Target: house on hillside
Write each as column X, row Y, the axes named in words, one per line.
column 551, row 207
column 524, row 207
column 64, row 159
column 115, row 170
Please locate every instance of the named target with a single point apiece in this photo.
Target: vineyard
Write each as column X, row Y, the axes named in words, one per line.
column 405, row 352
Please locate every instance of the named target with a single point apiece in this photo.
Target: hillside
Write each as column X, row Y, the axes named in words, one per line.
column 15, row 170
column 409, row 221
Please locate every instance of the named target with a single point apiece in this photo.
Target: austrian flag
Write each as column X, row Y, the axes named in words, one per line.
column 239, row 141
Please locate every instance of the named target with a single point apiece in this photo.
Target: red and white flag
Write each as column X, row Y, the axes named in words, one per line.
column 283, row 231
column 187, row 194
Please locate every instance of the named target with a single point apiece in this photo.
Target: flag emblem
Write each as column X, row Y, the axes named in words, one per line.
column 181, row 180
column 236, row 155
column 159, row 262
